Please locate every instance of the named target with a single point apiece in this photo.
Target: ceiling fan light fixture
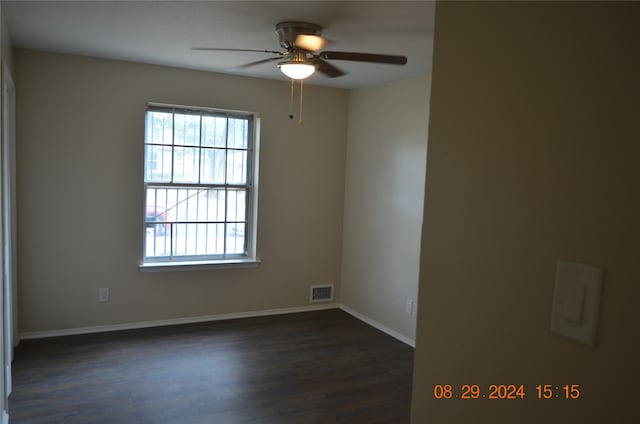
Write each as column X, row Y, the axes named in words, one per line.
column 296, row 69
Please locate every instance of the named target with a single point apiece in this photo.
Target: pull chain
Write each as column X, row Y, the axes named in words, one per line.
column 291, row 101
column 301, row 88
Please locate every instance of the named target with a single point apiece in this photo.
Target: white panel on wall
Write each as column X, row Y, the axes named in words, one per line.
column 576, row 301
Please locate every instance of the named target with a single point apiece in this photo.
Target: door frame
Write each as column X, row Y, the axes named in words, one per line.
column 9, row 258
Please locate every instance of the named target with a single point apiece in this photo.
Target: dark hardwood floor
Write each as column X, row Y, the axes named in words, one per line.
column 315, row 367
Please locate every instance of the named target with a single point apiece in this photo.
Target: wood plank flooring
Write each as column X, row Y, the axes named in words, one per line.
column 315, row 367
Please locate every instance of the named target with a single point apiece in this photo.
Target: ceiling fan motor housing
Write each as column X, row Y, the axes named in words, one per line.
column 288, row 31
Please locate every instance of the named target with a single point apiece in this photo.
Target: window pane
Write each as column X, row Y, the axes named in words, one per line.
column 180, row 205
column 159, row 206
column 214, row 131
column 159, row 127
column 212, row 206
column 215, row 239
column 186, row 164
column 198, row 239
column 170, row 197
column 238, row 133
column 208, row 240
column 236, row 205
column 178, row 241
column 236, row 166
column 155, row 211
column 187, row 129
column 235, row 238
column 212, row 166
column 157, row 163
column 193, row 203
column 158, row 240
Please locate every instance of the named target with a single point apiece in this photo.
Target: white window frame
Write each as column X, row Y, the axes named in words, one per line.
column 197, row 262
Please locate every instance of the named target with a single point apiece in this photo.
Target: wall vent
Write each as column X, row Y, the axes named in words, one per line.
column 322, row 293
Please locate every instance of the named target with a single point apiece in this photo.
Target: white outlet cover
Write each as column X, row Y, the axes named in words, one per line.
column 576, row 301
column 408, row 306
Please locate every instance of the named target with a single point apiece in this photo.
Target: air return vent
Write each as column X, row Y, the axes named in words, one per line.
column 322, row 293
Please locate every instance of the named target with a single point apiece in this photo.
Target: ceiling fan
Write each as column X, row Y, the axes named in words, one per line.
column 302, row 42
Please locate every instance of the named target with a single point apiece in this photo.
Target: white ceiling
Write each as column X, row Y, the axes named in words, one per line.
column 162, row 32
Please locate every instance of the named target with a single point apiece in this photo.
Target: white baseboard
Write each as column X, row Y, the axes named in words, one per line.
column 381, row 327
column 174, row 321
column 218, row 317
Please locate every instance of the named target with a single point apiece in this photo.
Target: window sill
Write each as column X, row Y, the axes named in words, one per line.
column 199, row 265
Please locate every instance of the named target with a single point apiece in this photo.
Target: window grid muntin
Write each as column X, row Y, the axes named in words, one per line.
column 248, row 140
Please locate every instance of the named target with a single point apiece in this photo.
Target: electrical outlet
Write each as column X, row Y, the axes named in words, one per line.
column 103, row 294
column 408, row 306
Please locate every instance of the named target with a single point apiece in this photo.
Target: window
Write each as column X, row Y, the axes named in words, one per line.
column 200, row 186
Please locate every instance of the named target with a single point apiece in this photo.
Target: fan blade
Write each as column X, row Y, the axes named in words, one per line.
column 365, row 57
column 328, row 69
column 257, row 62
column 219, row 49
column 313, row 43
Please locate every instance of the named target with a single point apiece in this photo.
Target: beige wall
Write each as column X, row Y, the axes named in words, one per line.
column 384, row 196
column 7, row 48
column 533, row 158
column 80, row 194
